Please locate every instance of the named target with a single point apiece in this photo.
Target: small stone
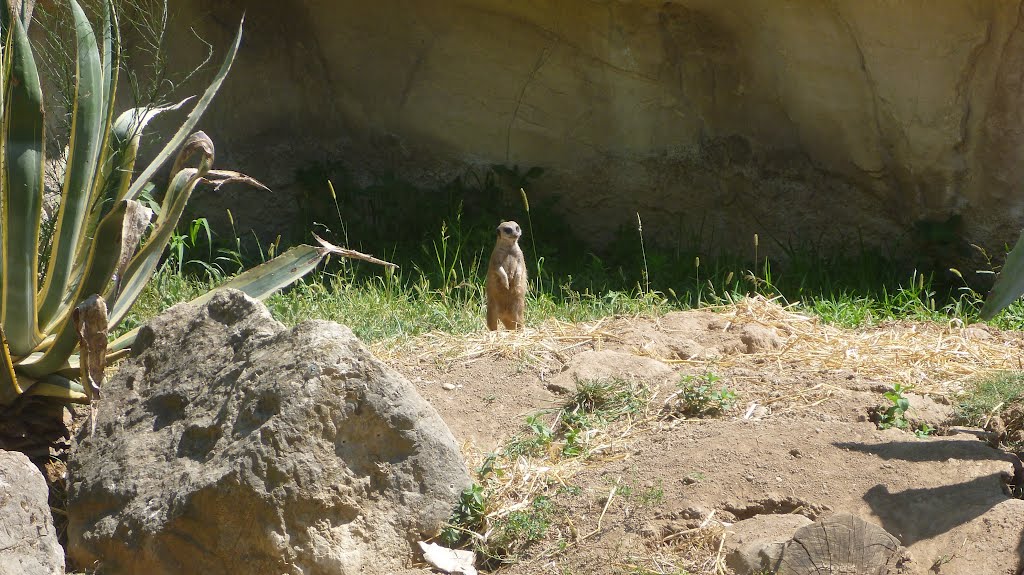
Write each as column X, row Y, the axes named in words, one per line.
column 448, row 386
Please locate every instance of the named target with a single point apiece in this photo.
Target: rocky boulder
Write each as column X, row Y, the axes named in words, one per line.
column 28, row 541
column 231, row 444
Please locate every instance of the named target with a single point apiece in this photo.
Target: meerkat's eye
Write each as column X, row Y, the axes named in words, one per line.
column 518, row 231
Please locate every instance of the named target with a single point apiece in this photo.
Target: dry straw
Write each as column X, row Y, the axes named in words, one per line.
column 936, row 358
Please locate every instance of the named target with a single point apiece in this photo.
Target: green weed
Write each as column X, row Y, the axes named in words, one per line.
column 511, row 534
column 894, row 413
column 697, row 396
column 468, row 516
column 532, row 443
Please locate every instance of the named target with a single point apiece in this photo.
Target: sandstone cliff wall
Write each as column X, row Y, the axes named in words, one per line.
column 799, row 120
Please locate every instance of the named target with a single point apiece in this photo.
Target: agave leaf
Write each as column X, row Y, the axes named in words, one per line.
column 110, row 145
column 263, row 280
column 190, row 123
column 23, row 194
column 10, row 389
column 87, row 131
column 26, row 11
column 124, row 148
column 5, row 58
column 1009, row 284
column 104, row 255
column 111, row 47
column 136, row 220
column 141, row 267
column 59, row 387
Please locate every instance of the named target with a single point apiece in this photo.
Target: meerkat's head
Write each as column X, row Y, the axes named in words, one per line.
column 509, row 232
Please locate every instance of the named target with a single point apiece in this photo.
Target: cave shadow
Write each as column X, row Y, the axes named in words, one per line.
column 915, row 515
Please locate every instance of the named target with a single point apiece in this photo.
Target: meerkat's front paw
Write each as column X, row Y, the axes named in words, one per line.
column 504, row 277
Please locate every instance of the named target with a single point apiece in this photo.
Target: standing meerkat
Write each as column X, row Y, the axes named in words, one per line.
column 506, row 280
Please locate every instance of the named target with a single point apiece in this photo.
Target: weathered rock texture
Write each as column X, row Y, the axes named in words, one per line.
column 28, row 541
column 229, row 444
column 755, row 545
column 806, row 120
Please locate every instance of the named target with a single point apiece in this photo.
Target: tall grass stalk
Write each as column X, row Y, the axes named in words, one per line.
column 538, row 260
column 643, row 253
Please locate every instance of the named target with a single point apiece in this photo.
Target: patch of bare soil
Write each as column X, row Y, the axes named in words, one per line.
column 662, row 492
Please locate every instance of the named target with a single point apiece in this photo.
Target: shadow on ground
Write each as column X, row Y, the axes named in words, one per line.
column 915, row 515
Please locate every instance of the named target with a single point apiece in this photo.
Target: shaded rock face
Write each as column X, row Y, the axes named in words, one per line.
column 756, row 544
column 28, row 541
column 229, row 444
column 820, row 122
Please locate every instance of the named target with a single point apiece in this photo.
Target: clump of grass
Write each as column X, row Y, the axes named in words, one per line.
column 595, row 404
column 502, row 535
column 701, row 396
column 602, row 401
column 513, row 533
column 989, row 396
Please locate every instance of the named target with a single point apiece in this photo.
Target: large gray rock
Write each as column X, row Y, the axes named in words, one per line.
column 230, row 444
column 28, row 541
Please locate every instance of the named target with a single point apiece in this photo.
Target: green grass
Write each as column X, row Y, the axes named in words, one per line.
column 164, row 290
column 410, row 302
column 442, row 250
column 989, row 395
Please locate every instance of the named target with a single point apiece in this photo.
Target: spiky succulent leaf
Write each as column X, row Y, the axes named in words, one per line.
column 10, row 388
column 59, row 387
column 1009, row 285
column 104, row 257
column 22, row 192
column 265, row 279
column 88, row 129
column 141, row 267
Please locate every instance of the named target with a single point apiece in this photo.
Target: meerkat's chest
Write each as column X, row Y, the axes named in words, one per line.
column 508, row 259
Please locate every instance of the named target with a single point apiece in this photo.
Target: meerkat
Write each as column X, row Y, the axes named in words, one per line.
column 506, row 279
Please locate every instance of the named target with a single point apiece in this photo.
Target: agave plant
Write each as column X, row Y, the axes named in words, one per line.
column 1009, row 284
column 104, row 248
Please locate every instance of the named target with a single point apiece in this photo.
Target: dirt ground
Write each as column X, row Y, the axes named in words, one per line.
column 664, row 494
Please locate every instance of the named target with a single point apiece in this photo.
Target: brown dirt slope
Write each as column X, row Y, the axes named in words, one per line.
column 657, row 494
